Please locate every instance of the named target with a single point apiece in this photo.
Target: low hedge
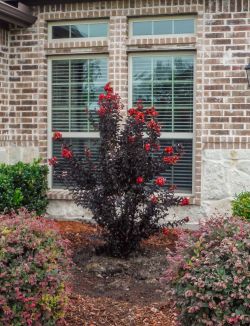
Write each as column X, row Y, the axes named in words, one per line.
column 34, row 270
column 23, row 185
column 241, row 205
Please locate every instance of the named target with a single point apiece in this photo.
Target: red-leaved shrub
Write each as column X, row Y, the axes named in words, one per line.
column 209, row 274
column 33, row 271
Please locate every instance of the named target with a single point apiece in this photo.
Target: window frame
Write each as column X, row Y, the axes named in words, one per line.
column 75, row 22
column 160, row 18
column 169, row 135
column 74, row 134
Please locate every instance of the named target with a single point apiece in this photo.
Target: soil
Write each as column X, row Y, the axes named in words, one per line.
column 111, row 291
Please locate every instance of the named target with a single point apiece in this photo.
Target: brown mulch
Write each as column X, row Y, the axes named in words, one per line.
column 116, row 297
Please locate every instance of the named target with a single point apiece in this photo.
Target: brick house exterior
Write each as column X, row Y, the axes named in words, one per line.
column 220, row 44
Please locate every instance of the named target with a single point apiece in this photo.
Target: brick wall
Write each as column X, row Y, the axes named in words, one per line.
column 222, row 47
column 3, row 81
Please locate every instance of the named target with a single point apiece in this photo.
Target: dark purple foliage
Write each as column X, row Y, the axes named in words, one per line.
column 124, row 188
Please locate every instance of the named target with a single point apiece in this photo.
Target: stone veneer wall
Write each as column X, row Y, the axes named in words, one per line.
column 222, row 115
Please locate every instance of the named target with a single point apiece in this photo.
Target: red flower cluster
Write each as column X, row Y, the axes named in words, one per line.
column 102, row 97
column 108, row 88
column 160, row 181
column 101, row 111
column 57, row 135
column 53, row 161
column 140, row 180
column 185, row 201
column 154, row 200
column 154, row 125
column 170, row 159
column 169, row 149
column 152, row 112
column 147, row 147
column 66, row 153
column 138, row 115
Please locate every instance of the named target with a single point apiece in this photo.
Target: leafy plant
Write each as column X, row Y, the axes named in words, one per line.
column 241, row 205
column 208, row 274
column 124, row 188
column 23, row 185
column 33, row 271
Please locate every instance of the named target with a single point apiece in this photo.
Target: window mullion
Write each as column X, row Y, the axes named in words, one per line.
column 70, row 90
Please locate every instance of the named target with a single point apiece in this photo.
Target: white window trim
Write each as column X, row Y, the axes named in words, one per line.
column 83, row 135
column 170, row 135
column 160, row 18
column 75, row 22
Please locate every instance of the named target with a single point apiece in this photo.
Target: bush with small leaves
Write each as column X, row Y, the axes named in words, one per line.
column 124, row 188
column 241, row 205
column 208, row 276
column 34, row 261
column 23, row 185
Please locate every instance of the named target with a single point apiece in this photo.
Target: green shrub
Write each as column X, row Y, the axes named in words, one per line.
column 208, row 274
column 241, row 205
column 23, row 185
column 33, row 271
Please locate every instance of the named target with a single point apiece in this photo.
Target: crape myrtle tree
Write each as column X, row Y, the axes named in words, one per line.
column 124, row 187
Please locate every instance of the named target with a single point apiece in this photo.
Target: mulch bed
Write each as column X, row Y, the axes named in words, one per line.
column 111, row 291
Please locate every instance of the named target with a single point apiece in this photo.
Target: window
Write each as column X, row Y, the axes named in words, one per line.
column 166, row 82
column 75, row 85
column 94, row 29
column 161, row 26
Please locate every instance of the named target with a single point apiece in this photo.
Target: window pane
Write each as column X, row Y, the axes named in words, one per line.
column 84, row 30
column 183, row 26
column 98, row 30
column 180, row 174
column 142, row 28
column 162, row 27
column 60, row 32
column 166, row 82
column 80, row 30
column 76, row 85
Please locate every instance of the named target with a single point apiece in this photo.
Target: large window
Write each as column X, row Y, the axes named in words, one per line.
column 166, row 82
column 75, row 86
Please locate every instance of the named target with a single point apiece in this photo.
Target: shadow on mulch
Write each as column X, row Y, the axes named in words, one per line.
column 111, row 291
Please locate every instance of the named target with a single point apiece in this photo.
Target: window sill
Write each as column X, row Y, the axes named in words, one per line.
column 62, row 194
column 59, row 194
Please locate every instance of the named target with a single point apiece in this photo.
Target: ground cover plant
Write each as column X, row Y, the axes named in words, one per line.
column 23, row 185
column 208, row 274
column 124, row 188
column 33, row 271
column 241, row 205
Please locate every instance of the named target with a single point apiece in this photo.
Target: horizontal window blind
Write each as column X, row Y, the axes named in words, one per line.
column 75, row 87
column 180, row 174
column 76, row 84
column 167, row 82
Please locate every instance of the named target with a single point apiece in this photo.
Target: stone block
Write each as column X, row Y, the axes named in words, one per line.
column 3, row 155
column 215, row 183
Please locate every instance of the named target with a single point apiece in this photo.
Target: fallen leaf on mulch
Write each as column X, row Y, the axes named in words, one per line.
column 127, row 297
column 104, row 311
